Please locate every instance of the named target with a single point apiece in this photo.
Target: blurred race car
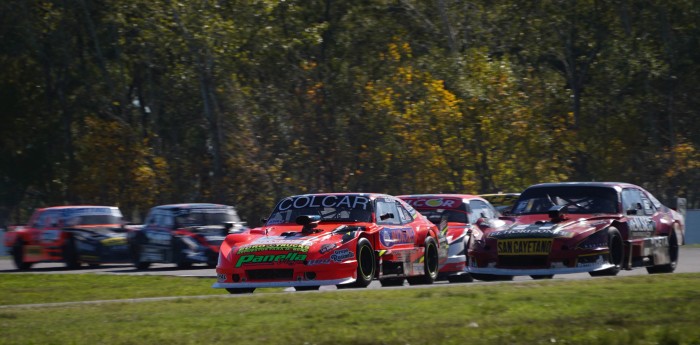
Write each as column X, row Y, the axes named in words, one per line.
column 503, row 202
column 342, row 239
column 69, row 234
column 594, row 227
column 183, row 234
column 462, row 211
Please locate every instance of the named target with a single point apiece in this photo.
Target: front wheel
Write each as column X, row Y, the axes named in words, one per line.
column 70, row 254
column 430, row 264
column 135, row 253
column 615, row 254
column 18, row 256
column 366, row 265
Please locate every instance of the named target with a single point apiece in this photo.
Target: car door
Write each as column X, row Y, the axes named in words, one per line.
column 640, row 213
column 158, row 236
column 395, row 231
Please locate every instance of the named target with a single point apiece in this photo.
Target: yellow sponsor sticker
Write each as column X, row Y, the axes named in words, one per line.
column 524, row 247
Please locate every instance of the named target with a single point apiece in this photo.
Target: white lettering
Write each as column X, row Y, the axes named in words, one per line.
column 304, row 199
column 331, row 198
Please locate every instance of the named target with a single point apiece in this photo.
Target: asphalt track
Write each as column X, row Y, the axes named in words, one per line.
column 689, row 263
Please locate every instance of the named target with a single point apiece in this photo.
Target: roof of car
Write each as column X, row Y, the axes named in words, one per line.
column 191, row 206
column 439, row 195
column 67, row 207
column 585, row 184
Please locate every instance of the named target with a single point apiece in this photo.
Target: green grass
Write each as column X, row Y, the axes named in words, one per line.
column 659, row 309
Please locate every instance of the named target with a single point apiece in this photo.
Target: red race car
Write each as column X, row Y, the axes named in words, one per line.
column 594, row 227
column 342, row 239
column 462, row 212
column 69, row 234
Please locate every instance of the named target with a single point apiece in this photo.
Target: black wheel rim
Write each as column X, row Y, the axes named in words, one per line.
column 366, row 265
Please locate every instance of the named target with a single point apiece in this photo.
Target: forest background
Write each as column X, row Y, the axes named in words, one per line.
column 137, row 103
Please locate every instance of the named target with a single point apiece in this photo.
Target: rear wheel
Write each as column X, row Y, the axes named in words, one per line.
column 615, row 254
column 366, row 265
column 18, row 256
column 238, row 291
column 430, row 262
column 673, row 251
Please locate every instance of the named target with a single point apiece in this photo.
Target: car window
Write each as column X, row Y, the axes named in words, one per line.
column 331, row 208
column 404, row 215
column 631, row 199
column 387, row 213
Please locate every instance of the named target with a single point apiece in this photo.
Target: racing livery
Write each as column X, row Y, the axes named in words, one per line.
column 342, row 239
column 461, row 212
column 594, row 227
column 183, row 234
column 70, row 234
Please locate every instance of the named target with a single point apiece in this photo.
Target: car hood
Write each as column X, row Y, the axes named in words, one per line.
column 325, row 241
column 538, row 226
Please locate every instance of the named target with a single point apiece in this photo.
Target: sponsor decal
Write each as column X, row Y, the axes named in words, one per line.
column 289, row 258
column 114, row 241
column 327, row 248
column 532, row 231
column 321, row 201
column 342, row 255
column 50, row 235
column 318, row 262
column 524, row 247
column 221, row 277
column 641, row 226
column 91, row 211
column 392, row 236
column 434, row 202
column 288, row 247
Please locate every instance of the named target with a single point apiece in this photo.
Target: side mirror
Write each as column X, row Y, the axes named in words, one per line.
column 228, row 226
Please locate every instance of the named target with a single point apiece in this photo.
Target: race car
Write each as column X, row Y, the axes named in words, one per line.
column 342, row 239
column 462, row 212
column 595, row 227
column 503, row 202
column 70, row 234
column 183, row 234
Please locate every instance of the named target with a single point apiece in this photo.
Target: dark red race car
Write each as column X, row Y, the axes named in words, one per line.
column 462, row 212
column 594, row 227
column 343, row 239
column 183, row 234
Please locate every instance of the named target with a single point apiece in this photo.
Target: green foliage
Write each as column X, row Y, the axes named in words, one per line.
column 137, row 103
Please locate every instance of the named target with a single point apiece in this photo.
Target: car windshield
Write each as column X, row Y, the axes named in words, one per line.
column 335, row 208
column 91, row 216
column 577, row 199
column 203, row 217
column 435, row 215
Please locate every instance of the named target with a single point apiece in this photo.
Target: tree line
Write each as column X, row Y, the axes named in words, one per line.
column 137, row 103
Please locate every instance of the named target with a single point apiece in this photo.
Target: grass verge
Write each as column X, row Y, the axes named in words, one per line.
column 658, row 309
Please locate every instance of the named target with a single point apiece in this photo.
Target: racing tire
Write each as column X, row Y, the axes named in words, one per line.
column 70, row 254
column 616, row 254
column 491, row 277
column 135, row 253
column 238, row 291
column 18, row 256
column 307, row 288
column 430, row 262
column 673, row 250
column 366, row 265
column 388, row 282
column 542, row 276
